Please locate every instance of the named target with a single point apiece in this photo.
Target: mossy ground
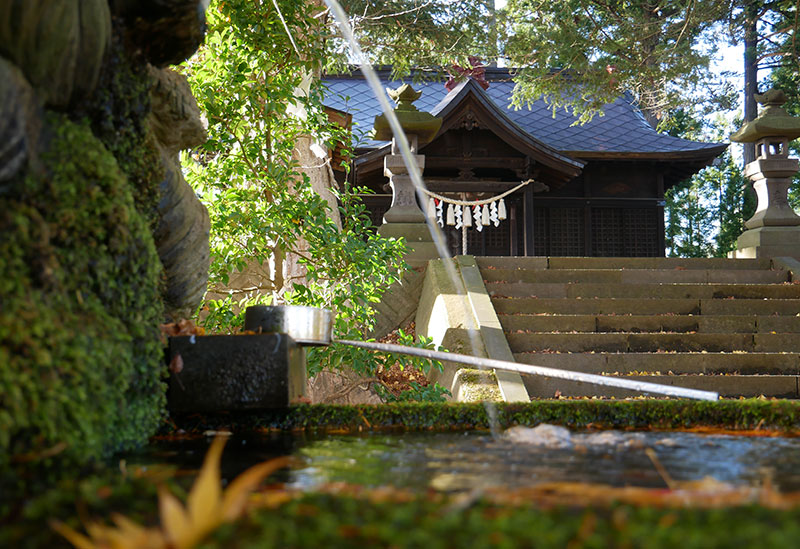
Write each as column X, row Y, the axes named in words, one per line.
column 345, row 521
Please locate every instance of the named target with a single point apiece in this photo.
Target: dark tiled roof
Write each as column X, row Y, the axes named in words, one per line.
column 623, row 129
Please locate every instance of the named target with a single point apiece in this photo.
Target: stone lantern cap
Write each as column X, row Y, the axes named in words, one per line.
column 773, row 121
column 413, row 121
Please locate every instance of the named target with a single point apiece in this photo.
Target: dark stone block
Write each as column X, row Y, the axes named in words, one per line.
column 241, row 372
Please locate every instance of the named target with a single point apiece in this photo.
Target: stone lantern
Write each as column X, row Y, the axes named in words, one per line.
column 774, row 230
column 405, row 218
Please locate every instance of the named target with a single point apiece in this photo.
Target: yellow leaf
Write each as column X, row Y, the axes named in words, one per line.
column 174, row 519
column 236, row 494
column 205, row 497
column 79, row 541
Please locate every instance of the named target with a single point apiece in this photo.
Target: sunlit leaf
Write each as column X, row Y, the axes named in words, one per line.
column 76, row 539
column 174, row 519
column 236, row 493
column 204, row 499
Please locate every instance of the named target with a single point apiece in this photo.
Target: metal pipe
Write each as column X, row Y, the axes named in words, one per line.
column 640, row 386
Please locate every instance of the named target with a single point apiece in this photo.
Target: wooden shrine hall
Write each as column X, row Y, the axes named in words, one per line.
column 595, row 189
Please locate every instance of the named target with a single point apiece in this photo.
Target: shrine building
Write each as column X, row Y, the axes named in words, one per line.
column 595, row 189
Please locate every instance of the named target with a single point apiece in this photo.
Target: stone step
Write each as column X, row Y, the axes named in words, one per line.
column 634, row 306
column 740, row 324
column 645, row 291
column 635, row 276
column 728, row 386
column 656, row 263
column 677, row 363
column 652, row 343
column 716, row 263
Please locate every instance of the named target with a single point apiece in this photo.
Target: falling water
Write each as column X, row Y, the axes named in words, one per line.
column 416, row 177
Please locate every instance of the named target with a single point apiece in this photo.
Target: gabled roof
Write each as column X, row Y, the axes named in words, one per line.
column 470, row 96
column 468, row 103
column 622, row 133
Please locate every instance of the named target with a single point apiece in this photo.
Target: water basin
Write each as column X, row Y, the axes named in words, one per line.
column 459, row 462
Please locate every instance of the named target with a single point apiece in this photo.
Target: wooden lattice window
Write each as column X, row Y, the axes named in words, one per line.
column 641, row 232
column 625, row 232
column 558, row 231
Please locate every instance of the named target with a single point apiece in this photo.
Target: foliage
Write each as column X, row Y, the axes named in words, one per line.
column 260, row 99
column 408, row 34
column 787, row 78
column 369, row 363
column 79, row 308
column 775, row 25
column 261, row 204
column 584, row 54
column 207, row 507
column 706, row 213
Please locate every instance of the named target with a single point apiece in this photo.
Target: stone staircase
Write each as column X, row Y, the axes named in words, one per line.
column 726, row 325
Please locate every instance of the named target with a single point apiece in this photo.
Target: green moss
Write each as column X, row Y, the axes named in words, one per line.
column 118, row 113
column 782, row 415
column 430, row 521
column 322, row 520
column 79, row 308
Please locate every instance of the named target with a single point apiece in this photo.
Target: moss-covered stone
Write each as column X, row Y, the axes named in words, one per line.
column 79, row 307
column 119, row 114
column 352, row 516
column 779, row 415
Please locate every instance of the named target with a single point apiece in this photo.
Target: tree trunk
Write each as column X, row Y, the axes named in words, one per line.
column 750, row 71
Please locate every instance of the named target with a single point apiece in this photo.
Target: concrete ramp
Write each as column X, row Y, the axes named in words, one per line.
column 456, row 311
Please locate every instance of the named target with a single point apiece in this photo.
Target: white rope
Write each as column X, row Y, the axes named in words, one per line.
column 476, row 202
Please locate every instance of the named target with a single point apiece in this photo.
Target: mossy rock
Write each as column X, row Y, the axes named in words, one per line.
column 79, row 307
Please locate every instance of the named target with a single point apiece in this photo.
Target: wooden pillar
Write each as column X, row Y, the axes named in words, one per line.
column 512, row 222
column 587, row 216
column 528, row 214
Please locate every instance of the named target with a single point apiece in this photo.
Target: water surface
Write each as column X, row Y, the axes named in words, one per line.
column 456, row 462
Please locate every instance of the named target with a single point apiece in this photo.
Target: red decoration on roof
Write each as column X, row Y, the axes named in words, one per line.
column 477, row 72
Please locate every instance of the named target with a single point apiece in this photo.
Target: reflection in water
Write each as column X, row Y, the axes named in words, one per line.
column 467, row 461
column 456, row 462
